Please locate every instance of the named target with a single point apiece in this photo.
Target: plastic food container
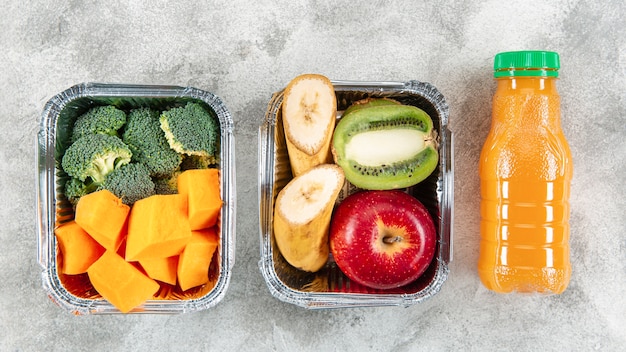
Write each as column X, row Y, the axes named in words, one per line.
column 74, row 293
column 329, row 287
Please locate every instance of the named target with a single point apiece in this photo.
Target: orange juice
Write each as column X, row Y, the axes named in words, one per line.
column 525, row 173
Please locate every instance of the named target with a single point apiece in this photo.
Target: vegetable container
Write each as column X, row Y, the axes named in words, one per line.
column 75, row 293
column 329, row 287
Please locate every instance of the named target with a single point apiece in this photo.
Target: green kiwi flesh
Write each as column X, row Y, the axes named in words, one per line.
column 386, row 146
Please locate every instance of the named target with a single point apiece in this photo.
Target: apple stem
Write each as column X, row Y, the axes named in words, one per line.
column 391, row 239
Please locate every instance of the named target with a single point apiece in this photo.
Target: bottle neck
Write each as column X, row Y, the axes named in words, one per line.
column 527, row 85
column 526, row 102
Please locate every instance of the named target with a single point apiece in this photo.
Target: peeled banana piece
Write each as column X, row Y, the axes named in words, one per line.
column 302, row 216
column 309, row 111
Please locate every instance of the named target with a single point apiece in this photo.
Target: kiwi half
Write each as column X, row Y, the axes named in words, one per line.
column 385, row 146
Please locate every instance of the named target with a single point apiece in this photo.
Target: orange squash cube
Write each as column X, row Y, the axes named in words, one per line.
column 202, row 187
column 194, row 261
column 78, row 249
column 158, row 227
column 161, row 269
column 103, row 216
column 120, row 283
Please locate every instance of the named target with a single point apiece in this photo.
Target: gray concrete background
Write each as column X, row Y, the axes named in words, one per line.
column 244, row 51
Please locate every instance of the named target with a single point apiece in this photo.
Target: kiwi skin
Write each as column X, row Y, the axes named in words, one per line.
column 370, row 102
column 395, row 175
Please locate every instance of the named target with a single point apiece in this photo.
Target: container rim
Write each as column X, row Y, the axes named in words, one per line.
column 47, row 201
column 267, row 162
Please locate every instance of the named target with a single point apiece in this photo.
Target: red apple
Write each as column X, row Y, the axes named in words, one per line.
column 382, row 239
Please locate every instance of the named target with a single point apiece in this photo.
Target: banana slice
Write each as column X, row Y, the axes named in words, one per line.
column 302, row 216
column 309, row 111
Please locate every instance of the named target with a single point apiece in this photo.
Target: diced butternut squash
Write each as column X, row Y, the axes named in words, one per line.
column 194, row 261
column 120, row 283
column 78, row 249
column 158, row 227
column 103, row 216
column 161, row 269
column 202, row 187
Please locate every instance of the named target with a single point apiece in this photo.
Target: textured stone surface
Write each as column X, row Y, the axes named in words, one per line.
column 243, row 52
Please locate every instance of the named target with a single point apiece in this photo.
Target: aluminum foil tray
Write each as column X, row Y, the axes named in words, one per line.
column 75, row 293
column 329, row 287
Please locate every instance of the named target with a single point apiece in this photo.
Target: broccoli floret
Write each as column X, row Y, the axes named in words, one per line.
column 191, row 130
column 75, row 188
column 105, row 119
column 130, row 183
column 166, row 185
column 92, row 157
column 148, row 144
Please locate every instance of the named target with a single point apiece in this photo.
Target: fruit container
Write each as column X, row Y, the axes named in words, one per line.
column 329, row 287
column 75, row 293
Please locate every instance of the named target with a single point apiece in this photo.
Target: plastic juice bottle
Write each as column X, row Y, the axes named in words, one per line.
column 525, row 174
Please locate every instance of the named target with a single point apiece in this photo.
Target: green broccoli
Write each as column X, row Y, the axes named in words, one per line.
column 92, row 157
column 130, row 182
column 148, row 144
column 191, row 130
column 166, row 185
column 105, row 119
column 75, row 188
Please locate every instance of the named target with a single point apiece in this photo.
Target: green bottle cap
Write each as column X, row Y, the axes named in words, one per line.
column 527, row 63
